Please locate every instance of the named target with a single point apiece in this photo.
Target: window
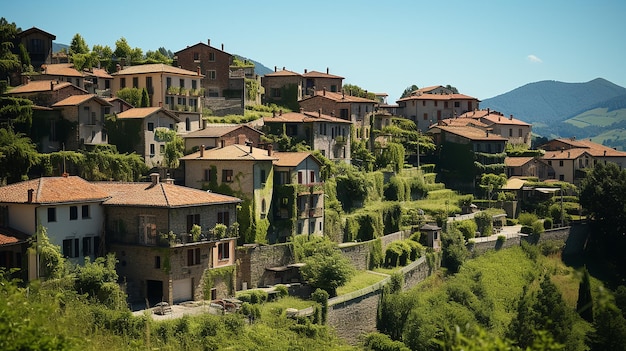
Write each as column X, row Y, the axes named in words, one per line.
column 211, row 56
column 207, row 175
column 194, row 84
column 283, row 178
column 193, row 257
column 549, row 163
column 150, row 126
column 162, row 149
column 223, row 218
column 227, row 175
column 87, row 246
column 263, row 177
column 157, row 262
column 135, row 82
column 52, row 214
column 152, row 150
column 425, row 116
column 300, row 177
column 85, row 211
column 70, row 247
column 36, row 46
column 343, row 113
column 181, row 83
column 312, row 177
column 187, row 124
column 196, row 56
column 519, row 133
column 561, row 163
column 149, row 86
column 510, row 132
column 333, row 88
column 211, row 74
column 191, row 220
column 561, row 177
column 457, row 104
column 223, row 251
column 122, row 83
column 291, row 130
column 73, row 213
column 445, row 104
column 423, row 102
column 275, row 92
column 168, row 82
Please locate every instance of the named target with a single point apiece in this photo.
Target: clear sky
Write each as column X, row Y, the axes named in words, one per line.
column 483, row 47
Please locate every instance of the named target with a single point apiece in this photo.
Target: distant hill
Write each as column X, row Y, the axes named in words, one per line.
column 56, row 47
column 593, row 110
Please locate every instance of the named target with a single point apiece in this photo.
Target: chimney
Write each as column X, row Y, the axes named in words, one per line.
column 319, row 112
column 274, row 68
column 51, row 85
column 488, row 111
column 511, row 117
column 568, row 154
column 305, row 71
column 301, row 110
column 222, row 47
column 498, row 118
column 283, row 68
column 160, row 103
column 274, row 113
column 270, row 148
column 222, row 143
column 327, row 71
column 118, row 67
column 208, row 42
column 487, row 133
column 250, row 143
column 155, row 178
column 31, row 191
column 201, row 151
column 324, row 91
column 280, row 112
column 198, row 70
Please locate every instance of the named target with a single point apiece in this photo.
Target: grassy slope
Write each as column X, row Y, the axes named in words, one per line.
column 597, row 117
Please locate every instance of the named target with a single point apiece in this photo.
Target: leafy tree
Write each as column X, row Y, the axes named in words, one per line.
column 174, row 146
column 98, row 279
column 584, row 305
column 454, row 90
column 355, row 90
column 454, row 250
column 130, row 95
column 19, row 155
column 492, row 182
column 327, row 270
column 610, row 329
column 167, row 53
column 9, row 62
column 351, row 189
column 392, row 155
column 51, row 262
column 407, row 92
column 25, row 59
column 16, row 113
column 157, row 57
column 362, row 157
column 122, row 49
column 78, row 45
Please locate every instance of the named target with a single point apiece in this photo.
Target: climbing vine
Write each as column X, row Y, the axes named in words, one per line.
column 225, row 274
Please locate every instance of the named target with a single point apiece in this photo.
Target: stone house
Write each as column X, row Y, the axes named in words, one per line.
column 172, row 88
column 515, row 130
column 241, row 170
column 46, row 92
column 299, row 194
column 278, row 84
column 13, row 249
column 568, row 165
column 527, row 167
column 118, row 105
column 149, row 227
column 219, row 135
column 330, row 135
column 429, row 105
column 98, row 81
column 149, row 146
column 599, row 152
column 62, row 72
column 70, row 209
column 315, row 81
column 213, row 63
column 38, row 44
column 87, row 112
column 355, row 109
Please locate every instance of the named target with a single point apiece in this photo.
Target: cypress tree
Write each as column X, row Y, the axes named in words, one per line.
column 584, row 305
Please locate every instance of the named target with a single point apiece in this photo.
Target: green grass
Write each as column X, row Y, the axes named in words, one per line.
column 361, row 280
column 597, row 117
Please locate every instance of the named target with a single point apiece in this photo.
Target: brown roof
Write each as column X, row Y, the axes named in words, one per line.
column 440, row 97
column 470, row 133
column 61, row 69
column 36, row 30
column 517, row 161
column 303, row 117
column 36, row 86
column 340, row 97
column 462, row 121
column 100, row 73
column 143, row 112
column 570, row 154
column 146, row 194
column 10, row 236
column 477, row 114
column 292, row 159
column 594, row 149
column 316, row 74
column 282, row 73
column 156, row 68
column 79, row 99
column 50, row 190
column 503, row 120
column 234, row 152
column 216, row 131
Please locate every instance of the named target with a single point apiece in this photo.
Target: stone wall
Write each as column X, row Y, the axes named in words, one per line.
column 254, row 259
column 479, row 248
column 359, row 253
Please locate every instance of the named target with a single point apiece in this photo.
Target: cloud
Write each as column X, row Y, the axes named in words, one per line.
column 534, row 59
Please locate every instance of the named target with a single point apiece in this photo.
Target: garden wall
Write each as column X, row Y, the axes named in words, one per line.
column 359, row 253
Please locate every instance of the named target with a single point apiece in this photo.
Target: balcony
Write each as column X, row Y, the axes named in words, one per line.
column 310, row 188
column 311, row 213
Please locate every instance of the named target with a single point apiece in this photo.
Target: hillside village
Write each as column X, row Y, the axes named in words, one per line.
column 249, row 185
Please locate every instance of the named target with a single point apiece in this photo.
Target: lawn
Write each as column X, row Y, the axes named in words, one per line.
column 359, row 281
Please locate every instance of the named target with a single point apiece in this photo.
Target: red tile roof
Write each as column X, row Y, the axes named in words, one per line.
column 143, row 112
column 39, row 86
column 51, row 190
column 10, row 236
column 503, row 120
column 61, row 69
column 470, row 133
column 234, row 152
column 146, row 194
column 303, row 117
column 155, row 68
column 316, row 74
column 439, row 97
column 461, row 121
column 100, row 73
column 282, row 73
column 292, row 159
column 594, row 149
column 79, row 99
column 340, row 97
column 517, row 161
column 217, row 130
column 570, row 154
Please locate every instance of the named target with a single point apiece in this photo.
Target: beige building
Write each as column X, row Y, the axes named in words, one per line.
column 428, row 106
column 218, row 135
column 599, row 152
column 88, row 112
column 515, row 130
column 568, row 165
column 61, row 72
column 527, row 167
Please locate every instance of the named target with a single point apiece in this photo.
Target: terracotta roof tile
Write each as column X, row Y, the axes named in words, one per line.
column 50, row 190
column 303, row 117
column 156, row 68
column 10, row 236
column 79, row 99
column 503, row 120
column 282, row 73
column 517, row 161
column 570, row 154
column 143, row 112
column 291, row 159
column 461, row 121
column 316, row 74
column 39, row 86
column 594, row 149
column 100, row 73
column 61, row 69
column 470, row 133
column 439, row 97
column 234, row 152
column 340, row 97
column 217, row 130
column 146, row 194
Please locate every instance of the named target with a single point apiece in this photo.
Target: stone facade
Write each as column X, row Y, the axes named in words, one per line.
column 255, row 259
column 213, row 63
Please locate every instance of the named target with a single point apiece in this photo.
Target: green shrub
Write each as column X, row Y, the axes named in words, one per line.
column 468, row 228
column 527, row 219
column 551, row 247
column 511, row 221
column 526, row 229
column 484, row 223
column 547, row 223
column 501, row 238
column 282, row 290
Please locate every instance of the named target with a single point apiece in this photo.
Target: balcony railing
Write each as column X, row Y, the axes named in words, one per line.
column 311, row 213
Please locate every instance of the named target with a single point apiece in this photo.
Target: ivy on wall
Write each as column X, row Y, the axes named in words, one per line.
column 211, row 276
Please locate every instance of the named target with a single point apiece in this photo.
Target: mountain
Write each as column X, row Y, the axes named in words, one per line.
column 56, row 47
column 547, row 101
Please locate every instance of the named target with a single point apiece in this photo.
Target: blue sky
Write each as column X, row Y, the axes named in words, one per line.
column 482, row 47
